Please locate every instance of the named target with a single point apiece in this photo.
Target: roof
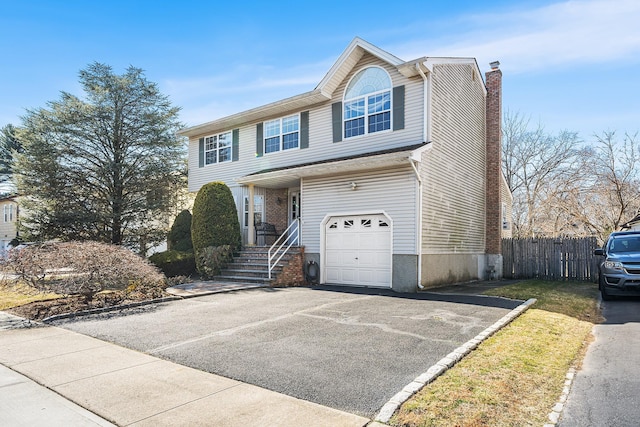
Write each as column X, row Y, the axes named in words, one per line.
column 290, row 175
column 632, row 222
column 324, row 90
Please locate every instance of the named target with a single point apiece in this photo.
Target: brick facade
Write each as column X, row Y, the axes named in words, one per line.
column 293, row 273
column 275, row 208
column 494, row 150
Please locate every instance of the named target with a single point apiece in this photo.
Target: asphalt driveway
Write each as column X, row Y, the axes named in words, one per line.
column 347, row 348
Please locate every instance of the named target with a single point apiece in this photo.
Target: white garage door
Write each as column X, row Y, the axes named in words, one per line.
column 358, row 250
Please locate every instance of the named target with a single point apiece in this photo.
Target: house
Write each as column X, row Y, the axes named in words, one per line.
column 9, row 221
column 390, row 169
column 634, row 224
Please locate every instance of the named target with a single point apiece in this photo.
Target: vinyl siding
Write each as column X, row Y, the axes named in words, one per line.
column 321, row 145
column 8, row 230
column 392, row 191
column 453, row 171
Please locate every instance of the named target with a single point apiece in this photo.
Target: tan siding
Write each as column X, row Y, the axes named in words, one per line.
column 453, row 171
column 391, row 191
column 321, row 144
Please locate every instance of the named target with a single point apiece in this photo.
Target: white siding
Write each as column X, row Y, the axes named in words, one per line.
column 454, row 170
column 392, row 191
column 321, row 145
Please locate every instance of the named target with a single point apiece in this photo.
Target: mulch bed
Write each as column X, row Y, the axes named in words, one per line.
column 75, row 303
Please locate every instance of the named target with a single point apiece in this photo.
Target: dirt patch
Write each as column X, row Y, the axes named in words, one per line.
column 75, row 303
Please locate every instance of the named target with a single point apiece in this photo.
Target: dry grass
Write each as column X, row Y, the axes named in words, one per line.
column 20, row 294
column 515, row 377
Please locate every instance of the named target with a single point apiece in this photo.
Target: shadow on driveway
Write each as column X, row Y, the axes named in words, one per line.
column 347, row 348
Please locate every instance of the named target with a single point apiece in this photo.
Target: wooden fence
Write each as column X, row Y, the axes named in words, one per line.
column 553, row 259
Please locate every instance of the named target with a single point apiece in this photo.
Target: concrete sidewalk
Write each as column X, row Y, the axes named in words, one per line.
column 126, row 387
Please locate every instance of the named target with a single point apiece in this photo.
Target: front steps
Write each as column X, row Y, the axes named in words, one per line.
column 250, row 266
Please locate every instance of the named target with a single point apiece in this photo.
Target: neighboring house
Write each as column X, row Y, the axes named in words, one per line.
column 391, row 167
column 634, row 224
column 9, row 221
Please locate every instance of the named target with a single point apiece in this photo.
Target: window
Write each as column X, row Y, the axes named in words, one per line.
column 257, row 209
column 281, row 134
column 367, row 103
column 217, row 148
column 8, row 213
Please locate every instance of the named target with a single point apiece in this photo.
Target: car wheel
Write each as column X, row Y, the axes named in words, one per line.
column 603, row 291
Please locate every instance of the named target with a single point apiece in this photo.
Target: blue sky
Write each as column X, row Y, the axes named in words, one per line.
column 567, row 64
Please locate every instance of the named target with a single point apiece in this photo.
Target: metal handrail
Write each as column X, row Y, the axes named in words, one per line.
column 294, row 226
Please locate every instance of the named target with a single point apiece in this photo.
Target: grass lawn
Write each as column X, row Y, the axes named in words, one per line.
column 515, row 377
column 16, row 295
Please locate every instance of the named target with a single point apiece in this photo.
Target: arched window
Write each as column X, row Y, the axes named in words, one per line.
column 367, row 102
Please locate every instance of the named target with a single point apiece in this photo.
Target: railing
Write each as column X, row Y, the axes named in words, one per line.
column 292, row 236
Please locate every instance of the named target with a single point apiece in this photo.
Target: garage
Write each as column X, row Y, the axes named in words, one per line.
column 358, row 250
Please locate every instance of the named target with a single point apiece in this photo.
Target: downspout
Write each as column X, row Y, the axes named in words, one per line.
column 419, row 228
column 426, row 135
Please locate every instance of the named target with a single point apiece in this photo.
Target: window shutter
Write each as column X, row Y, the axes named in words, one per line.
column 259, row 140
column 336, row 118
column 201, row 152
column 398, row 107
column 235, row 145
column 304, row 129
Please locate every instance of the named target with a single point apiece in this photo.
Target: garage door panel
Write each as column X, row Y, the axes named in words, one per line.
column 358, row 250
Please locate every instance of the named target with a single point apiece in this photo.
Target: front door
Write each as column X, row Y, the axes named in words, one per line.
column 294, row 211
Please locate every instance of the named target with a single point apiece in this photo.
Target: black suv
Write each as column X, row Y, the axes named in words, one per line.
column 619, row 271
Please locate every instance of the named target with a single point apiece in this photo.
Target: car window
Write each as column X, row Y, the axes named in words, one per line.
column 625, row 244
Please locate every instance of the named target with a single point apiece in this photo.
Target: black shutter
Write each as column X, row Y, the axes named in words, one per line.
column 259, row 140
column 304, row 129
column 201, row 152
column 336, row 118
column 398, row 107
column 235, row 145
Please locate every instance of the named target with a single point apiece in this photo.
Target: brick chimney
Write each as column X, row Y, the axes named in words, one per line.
column 493, row 247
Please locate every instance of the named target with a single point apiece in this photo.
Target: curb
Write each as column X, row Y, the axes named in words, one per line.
column 447, row 362
column 556, row 411
column 142, row 303
column 107, row 309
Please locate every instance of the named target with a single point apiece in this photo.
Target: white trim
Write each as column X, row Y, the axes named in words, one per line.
column 366, row 104
column 330, row 215
column 357, row 42
column 280, row 135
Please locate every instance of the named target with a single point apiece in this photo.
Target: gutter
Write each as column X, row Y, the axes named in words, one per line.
column 426, row 135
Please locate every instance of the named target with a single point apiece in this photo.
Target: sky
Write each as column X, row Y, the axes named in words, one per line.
column 567, row 65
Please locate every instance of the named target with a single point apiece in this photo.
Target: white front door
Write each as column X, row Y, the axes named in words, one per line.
column 358, row 250
column 294, row 210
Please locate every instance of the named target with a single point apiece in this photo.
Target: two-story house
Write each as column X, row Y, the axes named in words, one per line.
column 391, row 168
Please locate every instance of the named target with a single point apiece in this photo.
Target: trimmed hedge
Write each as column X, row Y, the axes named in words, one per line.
column 215, row 220
column 179, row 238
column 174, row 263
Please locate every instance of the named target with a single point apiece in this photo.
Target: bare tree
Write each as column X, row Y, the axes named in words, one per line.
column 610, row 193
column 536, row 166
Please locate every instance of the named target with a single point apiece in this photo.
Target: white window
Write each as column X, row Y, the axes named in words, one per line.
column 8, row 213
column 367, row 103
column 258, row 207
column 282, row 134
column 217, row 148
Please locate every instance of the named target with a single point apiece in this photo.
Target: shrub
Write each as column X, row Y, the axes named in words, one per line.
column 174, row 263
column 215, row 220
column 179, row 238
column 81, row 268
column 213, row 259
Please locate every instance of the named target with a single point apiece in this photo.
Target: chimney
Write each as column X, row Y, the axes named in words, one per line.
column 493, row 152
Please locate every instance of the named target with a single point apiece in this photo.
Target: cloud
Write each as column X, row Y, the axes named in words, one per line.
column 565, row 34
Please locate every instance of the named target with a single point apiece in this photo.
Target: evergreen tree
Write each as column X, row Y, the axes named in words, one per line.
column 102, row 167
